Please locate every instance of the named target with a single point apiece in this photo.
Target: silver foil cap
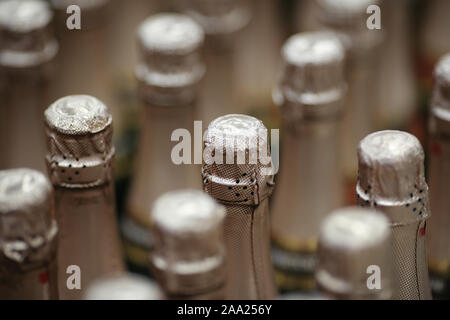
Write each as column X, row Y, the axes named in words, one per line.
column 170, row 47
column 79, row 142
column 440, row 103
column 312, row 78
column 354, row 242
column 189, row 250
column 391, row 168
column 237, row 161
column 218, row 17
column 123, row 287
column 26, row 35
column 28, row 229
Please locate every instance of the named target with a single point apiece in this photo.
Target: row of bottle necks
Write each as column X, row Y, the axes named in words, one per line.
column 134, row 228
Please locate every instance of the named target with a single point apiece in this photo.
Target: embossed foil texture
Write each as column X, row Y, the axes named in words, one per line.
column 79, row 161
column 391, row 178
column 243, row 188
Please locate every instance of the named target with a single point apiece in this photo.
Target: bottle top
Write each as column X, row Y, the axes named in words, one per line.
column 441, row 93
column 349, row 18
column 189, row 245
column 27, row 226
column 171, row 48
column 79, row 140
column 313, row 73
column 219, row 16
column 26, row 35
column 391, row 167
column 123, row 287
column 188, row 212
column 352, row 240
column 237, row 162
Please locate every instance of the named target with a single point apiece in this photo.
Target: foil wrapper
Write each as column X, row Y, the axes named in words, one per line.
column 354, row 245
column 310, row 95
column 26, row 34
column 125, row 286
column 188, row 258
column 79, row 161
column 237, row 173
column 169, row 71
column 28, row 233
column 439, row 173
column 79, row 142
column 391, row 178
column 171, row 64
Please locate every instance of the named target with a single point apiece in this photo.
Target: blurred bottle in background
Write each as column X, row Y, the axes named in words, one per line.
column 123, row 286
column 355, row 245
column 349, row 20
column 188, row 259
column 243, row 186
column 170, row 70
column 256, row 63
column 79, row 161
column 27, row 51
column 397, row 102
column 439, row 177
column 28, row 236
column 391, row 178
column 222, row 21
column 311, row 95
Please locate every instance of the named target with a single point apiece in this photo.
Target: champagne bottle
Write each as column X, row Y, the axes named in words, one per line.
column 26, row 57
column 355, row 255
column 222, row 21
column 79, row 162
column 311, row 94
column 439, row 170
column 124, row 286
column 237, row 173
column 28, row 236
column 169, row 73
column 349, row 20
column 391, row 179
column 188, row 259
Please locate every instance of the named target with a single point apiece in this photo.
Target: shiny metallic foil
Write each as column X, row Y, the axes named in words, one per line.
column 243, row 187
column 27, row 51
column 391, row 179
column 352, row 243
column 439, row 171
column 188, row 259
column 169, row 73
column 28, row 236
column 79, row 160
column 310, row 94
